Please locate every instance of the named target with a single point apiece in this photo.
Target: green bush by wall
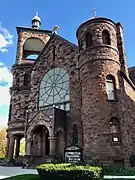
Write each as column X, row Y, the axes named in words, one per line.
column 132, row 160
column 69, row 172
column 129, row 171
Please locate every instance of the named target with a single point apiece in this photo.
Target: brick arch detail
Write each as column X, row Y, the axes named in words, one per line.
column 37, row 123
column 43, row 37
column 23, row 38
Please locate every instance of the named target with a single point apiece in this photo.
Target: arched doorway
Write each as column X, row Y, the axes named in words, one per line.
column 40, row 142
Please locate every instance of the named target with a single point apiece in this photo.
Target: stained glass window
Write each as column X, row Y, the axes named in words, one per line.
column 54, row 89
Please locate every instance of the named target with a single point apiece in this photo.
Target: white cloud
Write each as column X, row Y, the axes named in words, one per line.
column 5, row 83
column 3, row 50
column 5, row 75
column 6, row 39
column 1, row 64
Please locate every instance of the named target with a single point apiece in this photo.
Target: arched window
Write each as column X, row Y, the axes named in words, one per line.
column 88, row 40
column 106, row 37
column 75, row 134
column 54, row 89
column 10, row 111
column 25, row 82
column 111, row 88
column 17, row 80
column 32, row 48
column 115, row 129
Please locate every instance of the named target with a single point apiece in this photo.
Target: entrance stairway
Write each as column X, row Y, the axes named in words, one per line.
column 34, row 161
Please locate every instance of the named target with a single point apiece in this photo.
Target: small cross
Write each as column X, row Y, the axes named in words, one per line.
column 37, row 12
column 95, row 12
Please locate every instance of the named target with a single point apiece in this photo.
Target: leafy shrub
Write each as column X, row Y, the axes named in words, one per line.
column 132, row 160
column 129, row 171
column 69, row 172
column 118, row 179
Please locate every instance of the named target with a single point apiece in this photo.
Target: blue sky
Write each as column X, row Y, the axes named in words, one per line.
column 68, row 15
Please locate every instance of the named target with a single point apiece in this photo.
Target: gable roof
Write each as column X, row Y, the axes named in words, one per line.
column 65, row 40
column 50, row 40
column 59, row 38
column 39, row 115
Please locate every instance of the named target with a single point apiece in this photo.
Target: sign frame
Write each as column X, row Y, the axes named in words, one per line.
column 74, row 149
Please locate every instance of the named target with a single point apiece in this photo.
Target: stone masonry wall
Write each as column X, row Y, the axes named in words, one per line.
column 19, row 92
column 65, row 57
column 127, row 106
column 19, row 96
column 95, row 64
column 96, row 29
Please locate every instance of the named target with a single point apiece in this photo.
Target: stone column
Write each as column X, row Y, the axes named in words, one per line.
column 28, row 146
column 52, row 149
column 7, row 147
column 17, row 146
column 11, row 148
column 39, row 147
column 19, row 53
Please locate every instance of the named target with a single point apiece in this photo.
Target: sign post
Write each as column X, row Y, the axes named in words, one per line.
column 73, row 154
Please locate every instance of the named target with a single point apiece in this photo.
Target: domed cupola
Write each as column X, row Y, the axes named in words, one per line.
column 36, row 21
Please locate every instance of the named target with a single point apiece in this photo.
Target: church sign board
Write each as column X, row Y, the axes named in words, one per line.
column 73, row 154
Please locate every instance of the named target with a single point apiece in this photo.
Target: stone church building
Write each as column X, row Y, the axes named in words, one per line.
column 72, row 95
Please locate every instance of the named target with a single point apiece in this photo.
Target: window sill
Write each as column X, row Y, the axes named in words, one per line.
column 115, row 101
column 24, row 87
column 116, row 143
column 20, row 88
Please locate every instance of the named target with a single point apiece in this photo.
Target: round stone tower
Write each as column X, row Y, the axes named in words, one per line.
column 99, row 64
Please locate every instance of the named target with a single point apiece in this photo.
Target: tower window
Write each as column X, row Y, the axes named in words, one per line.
column 111, row 88
column 75, row 134
column 17, row 80
column 25, row 83
column 106, row 37
column 88, row 40
column 32, row 48
column 115, row 130
column 10, row 111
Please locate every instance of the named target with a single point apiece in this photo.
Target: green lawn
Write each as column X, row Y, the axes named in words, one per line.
column 24, row 177
column 35, row 177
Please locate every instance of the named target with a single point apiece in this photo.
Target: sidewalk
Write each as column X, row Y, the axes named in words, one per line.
column 13, row 171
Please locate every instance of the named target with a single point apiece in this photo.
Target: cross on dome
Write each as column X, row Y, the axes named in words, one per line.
column 95, row 12
column 37, row 12
column 36, row 21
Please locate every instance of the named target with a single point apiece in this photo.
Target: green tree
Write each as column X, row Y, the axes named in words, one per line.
column 22, row 147
column 3, row 141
